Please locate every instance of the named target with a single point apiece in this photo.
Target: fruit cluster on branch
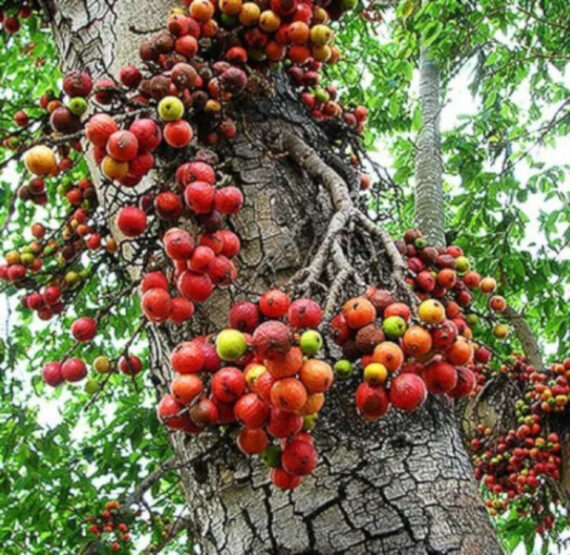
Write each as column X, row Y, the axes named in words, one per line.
column 272, row 386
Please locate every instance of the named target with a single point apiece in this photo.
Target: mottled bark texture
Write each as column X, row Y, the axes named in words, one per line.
column 403, row 485
column 429, row 168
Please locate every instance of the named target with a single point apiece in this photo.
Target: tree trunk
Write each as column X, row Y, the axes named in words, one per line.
column 403, row 485
column 429, row 168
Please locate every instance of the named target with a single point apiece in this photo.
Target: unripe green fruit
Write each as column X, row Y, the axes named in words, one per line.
column 321, row 95
column 311, row 342
column 462, row 264
column 77, row 105
column 92, row 387
column 346, row 5
column 310, row 422
column 394, row 327
column 343, row 369
column 102, row 365
column 229, row 20
column 27, row 259
column 84, row 273
column 170, row 108
column 472, row 319
column 72, row 278
column 420, row 243
column 230, row 345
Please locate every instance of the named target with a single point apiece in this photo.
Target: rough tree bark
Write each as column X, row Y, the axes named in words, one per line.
column 403, row 485
column 429, row 167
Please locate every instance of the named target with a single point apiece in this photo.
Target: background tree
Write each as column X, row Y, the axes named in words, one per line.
column 405, row 484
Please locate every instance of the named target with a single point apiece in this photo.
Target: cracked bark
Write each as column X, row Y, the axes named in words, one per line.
column 402, row 485
column 429, row 168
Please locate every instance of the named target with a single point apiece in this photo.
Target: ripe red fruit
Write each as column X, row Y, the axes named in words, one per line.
column 416, row 341
column 178, row 243
column 460, row 352
column 497, row 303
column 304, row 313
column 21, row 119
column 77, row 83
column 52, row 294
column 465, row 383
column 199, row 197
column 283, row 423
column 131, row 221
column 225, row 411
column 156, row 304
column 283, row 480
column 252, row 441
column 93, row 242
column 251, row 411
column 139, row 166
column 398, row 309
column 195, row 287
column 299, row 458
column 181, row 310
column 99, row 128
column 185, row 387
column 426, row 281
column 231, row 243
column 184, row 76
column 316, row 375
column 84, row 329
column 272, row 339
column 169, row 411
column 274, row 303
column 228, row 384
column 204, row 413
column 471, row 279
column 262, row 386
column 482, row 355
column 212, row 240
column 131, row 365
column 15, row 272
column 187, row 46
column 372, row 402
column 168, row 206
column 11, row 25
column 408, row 391
column 51, row 374
column 73, row 370
column 104, row 89
column 439, row 377
column 178, row 134
column 152, row 280
column 288, row 394
column 147, row 132
column 211, row 359
column 195, row 171
column 201, row 259
column 228, row 200
column 187, row 357
column 244, row 316
column 358, row 312
column 340, row 330
column 34, row 301
column 444, row 335
column 122, row 146
column 130, row 76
